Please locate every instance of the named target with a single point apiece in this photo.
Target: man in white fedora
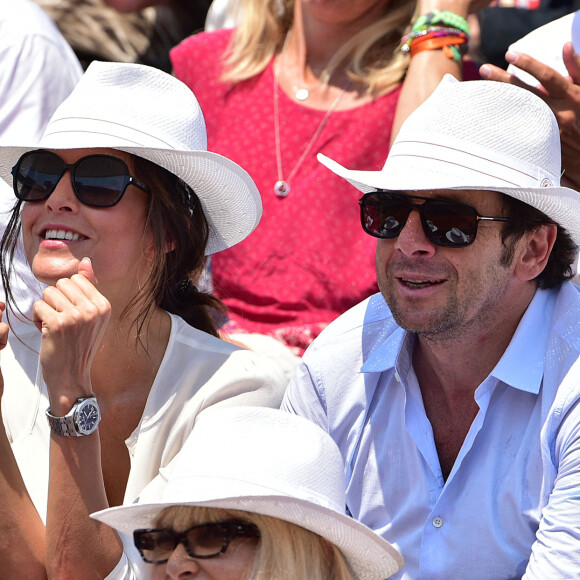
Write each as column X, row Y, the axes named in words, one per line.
column 453, row 394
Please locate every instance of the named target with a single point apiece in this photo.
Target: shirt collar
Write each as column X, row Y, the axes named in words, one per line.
column 386, row 353
column 522, row 364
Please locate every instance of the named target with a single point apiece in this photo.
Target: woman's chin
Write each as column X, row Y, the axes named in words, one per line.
column 50, row 272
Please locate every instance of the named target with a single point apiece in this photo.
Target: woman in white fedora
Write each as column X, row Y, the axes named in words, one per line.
column 118, row 206
column 255, row 494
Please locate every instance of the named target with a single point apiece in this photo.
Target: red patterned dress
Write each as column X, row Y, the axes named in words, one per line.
column 308, row 260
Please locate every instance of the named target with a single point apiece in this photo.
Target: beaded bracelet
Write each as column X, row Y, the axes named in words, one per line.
column 428, row 30
column 431, row 32
column 438, row 24
column 445, row 17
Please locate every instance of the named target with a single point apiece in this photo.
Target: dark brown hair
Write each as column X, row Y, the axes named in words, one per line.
column 178, row 223
column 525, row 218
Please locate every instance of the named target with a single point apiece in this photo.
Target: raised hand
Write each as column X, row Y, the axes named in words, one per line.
column 561, row 93
column 72, row 317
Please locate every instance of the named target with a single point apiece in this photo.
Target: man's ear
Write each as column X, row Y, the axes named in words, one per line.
column 535, row 250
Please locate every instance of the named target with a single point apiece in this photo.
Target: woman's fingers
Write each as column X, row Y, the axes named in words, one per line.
column 72, row 316
column 78, row 290
column 86, row 270
column 73, row 301
column 74, row 304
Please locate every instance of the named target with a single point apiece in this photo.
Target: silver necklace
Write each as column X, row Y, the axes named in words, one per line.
column 282, row 186
column 303, row 93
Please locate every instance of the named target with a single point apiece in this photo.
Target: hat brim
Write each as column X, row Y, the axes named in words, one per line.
column 561, row 204
column 368, row 555
column 231, row 201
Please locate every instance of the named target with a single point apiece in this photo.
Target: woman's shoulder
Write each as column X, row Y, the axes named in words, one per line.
column 195, row 345
column 200, row 370
column 191, row 337
column 198, row 62
column 200, row 50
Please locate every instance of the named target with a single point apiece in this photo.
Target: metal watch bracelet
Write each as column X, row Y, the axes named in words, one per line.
column 83, row 419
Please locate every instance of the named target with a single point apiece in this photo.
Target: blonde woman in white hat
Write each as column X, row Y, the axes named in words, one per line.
column 118, row 205
column 255, row 493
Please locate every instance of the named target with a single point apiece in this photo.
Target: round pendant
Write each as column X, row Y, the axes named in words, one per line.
column 281, row 188
column 302, row 94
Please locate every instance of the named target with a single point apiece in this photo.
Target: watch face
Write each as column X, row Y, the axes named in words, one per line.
column 87, row 417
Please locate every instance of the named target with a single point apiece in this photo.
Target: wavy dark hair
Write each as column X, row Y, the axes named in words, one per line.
column 525, row 218
column 177, row 221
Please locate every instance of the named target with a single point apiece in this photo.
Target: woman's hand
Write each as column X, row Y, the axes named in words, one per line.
column 561, row 93
column 72, row 318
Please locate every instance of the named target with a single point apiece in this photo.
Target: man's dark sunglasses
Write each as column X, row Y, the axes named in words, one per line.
column 98, row 180
column 202, row 541
column 446, row 223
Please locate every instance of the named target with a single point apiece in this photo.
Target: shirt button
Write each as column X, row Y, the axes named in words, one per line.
column 397, row 377
column 437, row 522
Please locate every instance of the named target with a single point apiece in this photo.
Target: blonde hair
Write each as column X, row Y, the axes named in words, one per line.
column 371, row 57
column 285, row 551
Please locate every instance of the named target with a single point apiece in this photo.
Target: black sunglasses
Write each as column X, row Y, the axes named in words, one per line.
column 98, row 180
column 202, row 541
column 446, row 223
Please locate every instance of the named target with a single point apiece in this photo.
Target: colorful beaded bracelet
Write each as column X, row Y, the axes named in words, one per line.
column 445, row 17
column 431, row 32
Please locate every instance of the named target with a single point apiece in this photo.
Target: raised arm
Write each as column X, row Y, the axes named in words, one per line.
column 428, row 67
column 560, row 92
column 72, row 319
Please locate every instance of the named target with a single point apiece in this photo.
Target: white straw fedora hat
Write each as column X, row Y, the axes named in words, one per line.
column 478, row 135
column 272, row 463
column 149, row 113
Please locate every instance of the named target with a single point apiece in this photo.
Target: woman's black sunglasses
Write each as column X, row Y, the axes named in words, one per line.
column 98, row 180
column 201, row 541
column 446, row 223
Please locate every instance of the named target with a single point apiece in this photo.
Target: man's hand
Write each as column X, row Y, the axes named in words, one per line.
column 562, row 93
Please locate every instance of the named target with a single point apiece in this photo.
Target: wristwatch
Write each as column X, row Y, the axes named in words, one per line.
column 82, row 419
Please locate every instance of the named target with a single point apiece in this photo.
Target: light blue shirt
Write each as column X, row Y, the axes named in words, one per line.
column 510, row 507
